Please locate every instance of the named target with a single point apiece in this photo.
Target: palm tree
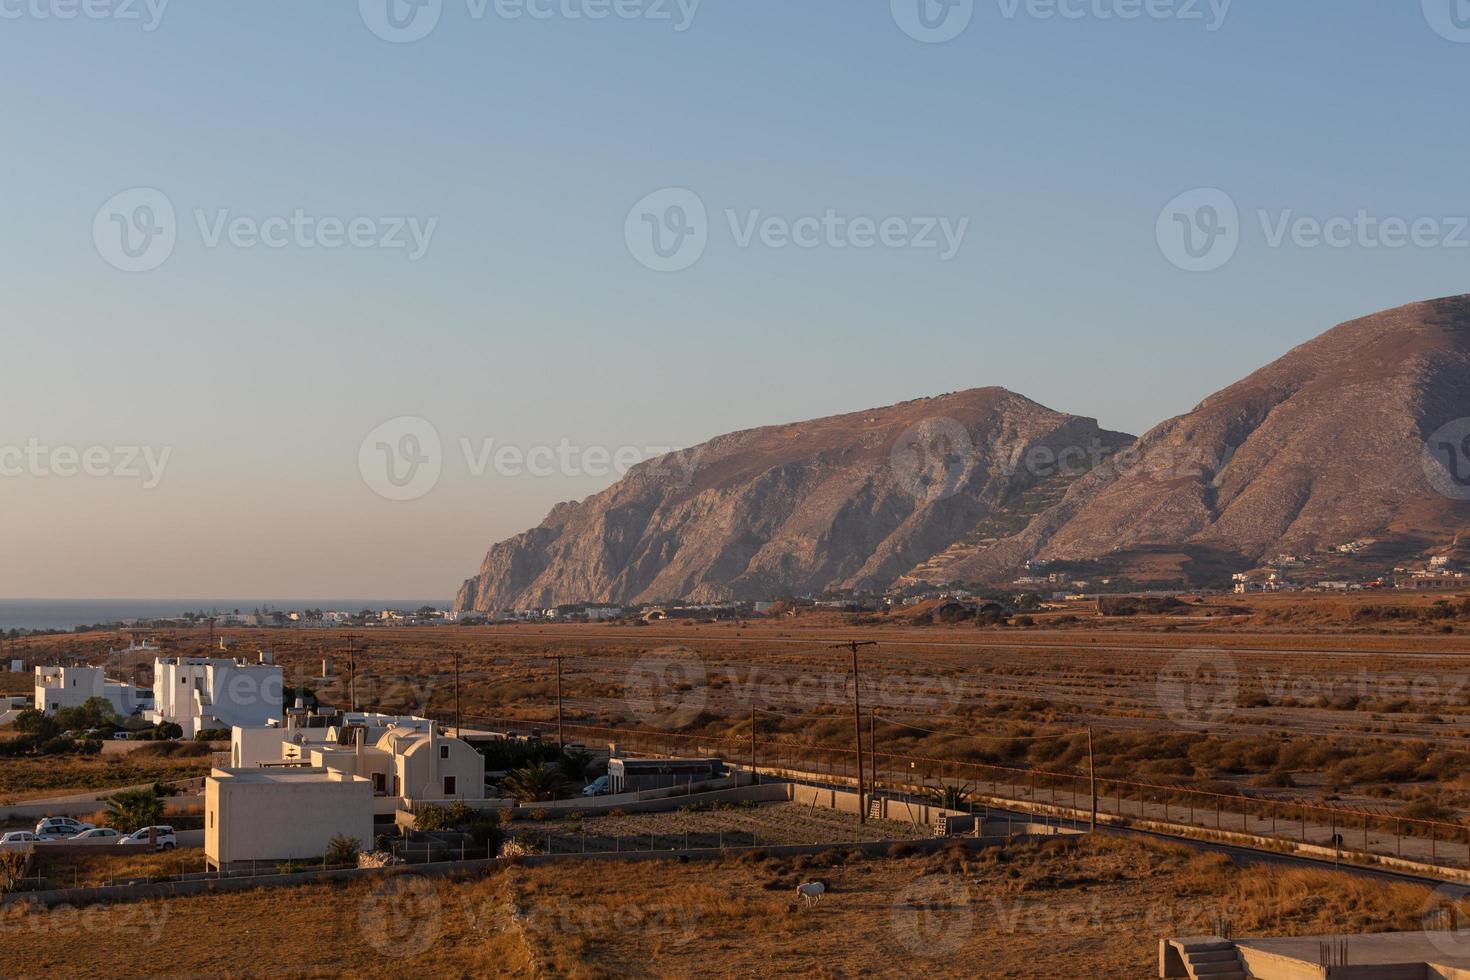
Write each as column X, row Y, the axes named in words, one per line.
column 134, row 809
column 574, row 764
column 952, row 797
column 536, row 783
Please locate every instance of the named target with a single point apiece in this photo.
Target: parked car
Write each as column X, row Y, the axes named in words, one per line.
column 99, row 834
column 60, row 828
column 121, row 736
column 598, row 787
column 18, row 837
column 164, row 837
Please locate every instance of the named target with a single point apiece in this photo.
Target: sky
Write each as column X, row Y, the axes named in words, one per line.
column 323, row 299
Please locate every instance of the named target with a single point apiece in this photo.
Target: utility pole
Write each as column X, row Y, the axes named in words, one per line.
column 561, row 742
column 457, row 717
column 352, row 672
column 857, row 720
column 873, row 751
column 1092, row 778
column 754, row 776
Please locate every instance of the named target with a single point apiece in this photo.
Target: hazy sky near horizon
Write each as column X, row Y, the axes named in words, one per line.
column 454, row 227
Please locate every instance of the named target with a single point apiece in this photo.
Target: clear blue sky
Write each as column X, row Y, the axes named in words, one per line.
column 528, row 321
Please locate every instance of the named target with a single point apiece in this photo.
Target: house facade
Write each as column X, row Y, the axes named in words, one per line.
column 202, row 692
column 72, row 687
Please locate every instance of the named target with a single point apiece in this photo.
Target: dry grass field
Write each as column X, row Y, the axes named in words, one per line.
column 1063, row 908
column 39, row 778
column 754, row 825
column 1361, row 699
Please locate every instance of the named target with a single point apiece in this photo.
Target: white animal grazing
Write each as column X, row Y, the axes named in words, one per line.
column 811, row 892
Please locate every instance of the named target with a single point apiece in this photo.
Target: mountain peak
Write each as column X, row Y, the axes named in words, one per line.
column 846, row 501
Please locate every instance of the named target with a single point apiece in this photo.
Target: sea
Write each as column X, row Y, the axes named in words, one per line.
column 67, row 614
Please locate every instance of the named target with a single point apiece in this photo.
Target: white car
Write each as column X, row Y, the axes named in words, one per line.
column 18, row 837
column 598, row 787
column 60, row 828
column 164, row 838
column 99, row 834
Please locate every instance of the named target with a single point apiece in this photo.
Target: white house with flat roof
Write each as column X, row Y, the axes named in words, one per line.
column 289, row 807
column 72, row 687
column 271, row 745
column 202, row 692
column 269, row 815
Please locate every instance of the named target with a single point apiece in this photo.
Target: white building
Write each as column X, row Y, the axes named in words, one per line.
column 199, row 692
column 410, row 761
column 72, row 687
column 252, row 746
column 268, row 815
column 321, row 785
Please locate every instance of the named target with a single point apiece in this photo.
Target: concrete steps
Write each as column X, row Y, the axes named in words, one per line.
column 1213, row 959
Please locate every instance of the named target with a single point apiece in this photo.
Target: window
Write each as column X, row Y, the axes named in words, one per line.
column 380, row 784
column 448, row 785
column 211, row 819
column 443, row 751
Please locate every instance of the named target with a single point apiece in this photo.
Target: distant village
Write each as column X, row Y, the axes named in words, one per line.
column 1295, row 573
column 1042, row 581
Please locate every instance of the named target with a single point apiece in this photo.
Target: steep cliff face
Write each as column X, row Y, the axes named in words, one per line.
column 1363, row 432
column 852, row 501
column 1348, row 436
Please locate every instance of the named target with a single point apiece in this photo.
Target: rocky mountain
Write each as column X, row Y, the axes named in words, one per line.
column 1363, row 432
column 852, row 501
column 1360, row 437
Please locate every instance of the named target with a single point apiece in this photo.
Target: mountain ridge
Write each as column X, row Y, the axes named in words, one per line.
column 1330, row 443
column 847, row 501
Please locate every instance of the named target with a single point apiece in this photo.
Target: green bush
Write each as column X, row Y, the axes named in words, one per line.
column 343, row 850
column 430, row 816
